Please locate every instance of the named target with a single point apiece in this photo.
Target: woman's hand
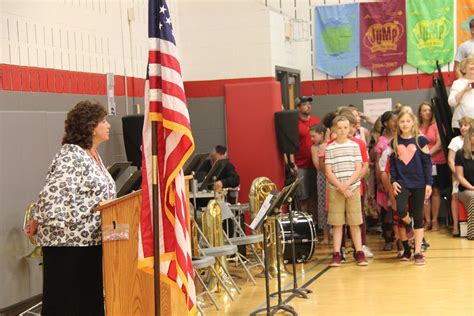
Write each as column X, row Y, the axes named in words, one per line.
column 31, row 228
column 428, row 191
column 397, row 188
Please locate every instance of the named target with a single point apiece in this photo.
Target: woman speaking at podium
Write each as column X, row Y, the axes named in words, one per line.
column 63, row 221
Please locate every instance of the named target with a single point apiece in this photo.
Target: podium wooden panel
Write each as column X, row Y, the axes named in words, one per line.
column 128, row 290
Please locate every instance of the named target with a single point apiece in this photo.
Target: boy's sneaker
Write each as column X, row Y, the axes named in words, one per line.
column 406, row 256
column 336, row 260
column 367, row 252
column 360, row 259
column 419, row 259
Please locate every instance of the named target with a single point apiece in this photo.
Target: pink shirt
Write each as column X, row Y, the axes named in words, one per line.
column 382, row 144
column 431, row 133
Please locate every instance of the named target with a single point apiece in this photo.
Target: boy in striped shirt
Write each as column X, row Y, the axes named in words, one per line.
column 343, row 167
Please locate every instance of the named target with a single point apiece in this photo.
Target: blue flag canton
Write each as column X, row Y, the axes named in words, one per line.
column 159, row 21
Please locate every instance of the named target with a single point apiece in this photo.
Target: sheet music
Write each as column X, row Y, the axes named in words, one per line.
column 263, row 211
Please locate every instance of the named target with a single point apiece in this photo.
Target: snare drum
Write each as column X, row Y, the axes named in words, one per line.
column 304, row 235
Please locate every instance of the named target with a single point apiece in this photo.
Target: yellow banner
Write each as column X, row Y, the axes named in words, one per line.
column 465, row 13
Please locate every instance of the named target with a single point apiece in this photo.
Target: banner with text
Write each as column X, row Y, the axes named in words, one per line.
column 337, row 38
column 383, row 42
column 465, row 13
column 430, row 35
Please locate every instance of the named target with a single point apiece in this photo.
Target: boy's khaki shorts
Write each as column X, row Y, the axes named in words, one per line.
column 344, row 211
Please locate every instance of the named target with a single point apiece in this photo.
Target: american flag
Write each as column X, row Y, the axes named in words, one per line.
column 165, row 102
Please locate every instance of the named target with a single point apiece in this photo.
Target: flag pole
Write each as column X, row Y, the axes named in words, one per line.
column 156, row 216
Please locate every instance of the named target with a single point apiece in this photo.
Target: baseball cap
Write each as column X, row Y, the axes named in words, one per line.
column 303, row 99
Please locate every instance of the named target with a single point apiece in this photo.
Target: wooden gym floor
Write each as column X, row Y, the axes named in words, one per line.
column 444, row 286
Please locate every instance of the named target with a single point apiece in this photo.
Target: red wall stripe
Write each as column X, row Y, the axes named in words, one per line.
column 364, row 85
column 215, row 88
column 349, row 85
column 379, row 84
column 394, row 83
column 410, row 82
column 33, row 79
column 335, row 86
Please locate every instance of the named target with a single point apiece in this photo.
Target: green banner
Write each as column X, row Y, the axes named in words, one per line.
column 430, row 34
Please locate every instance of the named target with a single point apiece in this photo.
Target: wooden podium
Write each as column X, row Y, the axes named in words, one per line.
column 128, row 290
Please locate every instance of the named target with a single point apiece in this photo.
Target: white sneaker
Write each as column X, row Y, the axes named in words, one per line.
column 367, row 252
column 343, row 254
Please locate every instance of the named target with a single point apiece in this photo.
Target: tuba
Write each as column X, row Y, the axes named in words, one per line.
column 212, row 230
column 259, row 190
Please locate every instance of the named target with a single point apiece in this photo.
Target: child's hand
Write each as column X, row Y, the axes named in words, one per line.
column 397, row 188
column 428, row 191
column 348, row 194
column 344, row 186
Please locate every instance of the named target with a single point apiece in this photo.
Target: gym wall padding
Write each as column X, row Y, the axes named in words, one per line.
column 251, row 138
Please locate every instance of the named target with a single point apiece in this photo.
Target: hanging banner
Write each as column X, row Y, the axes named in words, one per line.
column 337, row 38
column 430, row 35
column 465, row 13
column 383, row 42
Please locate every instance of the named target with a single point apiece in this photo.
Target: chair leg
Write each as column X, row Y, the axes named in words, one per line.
column 228, row 274
column 221, row 281
column 207, row 290
column 254, row 251
column 246, row 269
column 200, row 310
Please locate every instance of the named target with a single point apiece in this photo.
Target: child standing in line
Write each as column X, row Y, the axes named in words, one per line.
column 317, row 133
column 410, row 171
column 384, row 167
column 389, row 126
column 343, row 164
column 456, row 144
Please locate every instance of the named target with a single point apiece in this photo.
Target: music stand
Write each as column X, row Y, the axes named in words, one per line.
column 301, row 292
column 132, row 184
column 195, row 163
column 273, row 209
column 118, row 168
column 212, row 175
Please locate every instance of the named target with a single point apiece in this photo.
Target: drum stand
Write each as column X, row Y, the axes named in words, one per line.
column 300, row 292
column 280, row 305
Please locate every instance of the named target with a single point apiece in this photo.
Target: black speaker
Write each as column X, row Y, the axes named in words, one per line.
column 132, row 126
column 286, row 126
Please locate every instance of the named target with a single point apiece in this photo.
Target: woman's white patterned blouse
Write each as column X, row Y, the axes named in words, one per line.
column 75, row 184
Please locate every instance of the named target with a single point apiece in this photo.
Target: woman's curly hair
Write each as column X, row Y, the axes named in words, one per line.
column 81, row 122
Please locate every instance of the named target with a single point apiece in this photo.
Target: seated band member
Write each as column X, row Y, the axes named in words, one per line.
column 228, row 178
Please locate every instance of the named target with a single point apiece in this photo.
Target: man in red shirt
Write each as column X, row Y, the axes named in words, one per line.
column 302, row 164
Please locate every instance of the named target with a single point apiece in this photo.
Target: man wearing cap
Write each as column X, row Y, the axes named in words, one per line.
column 466, row 49
column 301, row 163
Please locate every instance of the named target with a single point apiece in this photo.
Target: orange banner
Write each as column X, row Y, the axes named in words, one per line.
column 465, row 13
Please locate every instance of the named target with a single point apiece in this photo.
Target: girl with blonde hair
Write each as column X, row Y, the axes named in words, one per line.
column 410, row 171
